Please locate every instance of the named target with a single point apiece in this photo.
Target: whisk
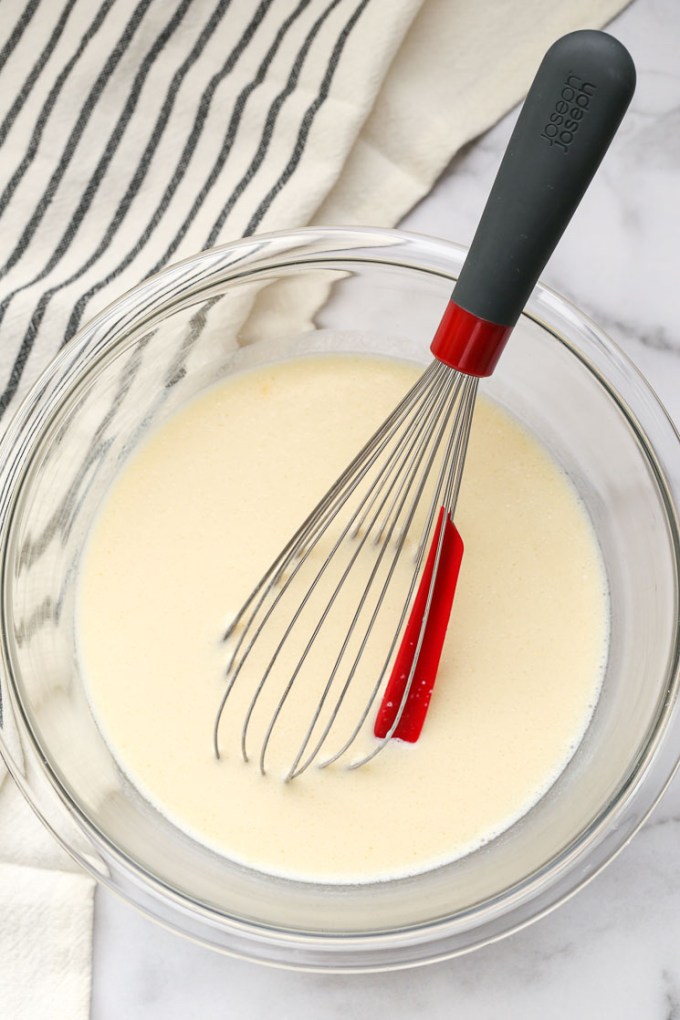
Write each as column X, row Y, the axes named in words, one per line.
column 354, row 610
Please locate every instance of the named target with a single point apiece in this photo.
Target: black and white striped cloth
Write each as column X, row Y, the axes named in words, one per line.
column 135, row 132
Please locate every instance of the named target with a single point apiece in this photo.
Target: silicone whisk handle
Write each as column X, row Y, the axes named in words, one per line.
column 574, row 106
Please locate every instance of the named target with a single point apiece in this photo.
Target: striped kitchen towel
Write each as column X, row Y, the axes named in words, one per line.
column 135, row 132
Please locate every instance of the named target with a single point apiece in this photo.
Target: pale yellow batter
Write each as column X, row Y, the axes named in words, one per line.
column 194, row 520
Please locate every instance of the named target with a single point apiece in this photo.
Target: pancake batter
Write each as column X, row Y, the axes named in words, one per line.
column 193, row 521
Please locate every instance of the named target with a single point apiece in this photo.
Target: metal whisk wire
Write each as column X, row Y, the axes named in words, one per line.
column 304, row 540
column 385, row 531
column 452, row 471
column 455, row 457
column 408, row 443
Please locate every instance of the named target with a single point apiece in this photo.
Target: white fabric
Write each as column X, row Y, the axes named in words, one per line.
column 45, row 920
column 461, row 67
column 135, row 132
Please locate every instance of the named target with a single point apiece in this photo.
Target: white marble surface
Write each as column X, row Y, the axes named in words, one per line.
column 614, row 949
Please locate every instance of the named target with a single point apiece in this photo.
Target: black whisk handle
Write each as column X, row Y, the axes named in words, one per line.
column 574, row 107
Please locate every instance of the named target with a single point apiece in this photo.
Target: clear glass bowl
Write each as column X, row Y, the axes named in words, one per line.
column 259, row 300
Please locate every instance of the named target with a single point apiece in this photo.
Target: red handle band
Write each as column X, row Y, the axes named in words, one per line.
column 467, row 343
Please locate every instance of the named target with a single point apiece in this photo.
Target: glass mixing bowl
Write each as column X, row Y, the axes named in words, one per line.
column 263, row 299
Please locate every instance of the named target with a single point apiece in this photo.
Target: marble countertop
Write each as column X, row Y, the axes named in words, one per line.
column 614, row 949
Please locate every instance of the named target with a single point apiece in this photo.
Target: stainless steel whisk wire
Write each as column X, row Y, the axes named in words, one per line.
column 417, row 441
column 458, row 442
column 440, row 397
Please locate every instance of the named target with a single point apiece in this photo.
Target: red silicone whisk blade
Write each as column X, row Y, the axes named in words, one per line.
column 443, row 590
